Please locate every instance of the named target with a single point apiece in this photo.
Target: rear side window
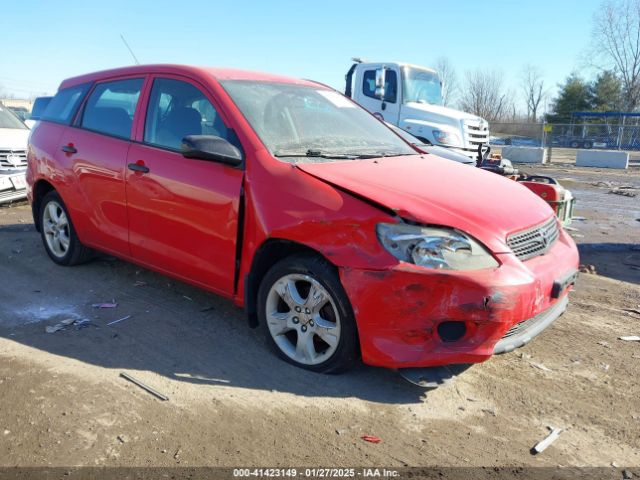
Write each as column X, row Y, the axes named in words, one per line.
column 390, row 85
column 110, row 107
column 64, row 105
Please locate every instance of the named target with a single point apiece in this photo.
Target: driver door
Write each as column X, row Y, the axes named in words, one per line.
column 183, row 213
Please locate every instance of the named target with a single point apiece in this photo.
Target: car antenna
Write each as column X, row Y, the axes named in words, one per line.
column 129, row 48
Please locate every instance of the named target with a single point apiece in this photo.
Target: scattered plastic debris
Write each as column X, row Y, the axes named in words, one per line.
column 588, row 268
column 540, row 366
column 624, row 192
column 630, row 338
column 371, row 438
column 119, row 320
column 111, row 304
column 77, row 322
column 552, row 437
column 137, row 382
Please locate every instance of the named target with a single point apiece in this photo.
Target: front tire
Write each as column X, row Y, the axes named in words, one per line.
column 58, row 234
column 306, row 315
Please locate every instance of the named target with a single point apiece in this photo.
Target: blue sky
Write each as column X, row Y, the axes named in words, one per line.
column 44, row 42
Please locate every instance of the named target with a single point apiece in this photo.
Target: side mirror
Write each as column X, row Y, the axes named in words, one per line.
column 380, row 82
column 209, row 147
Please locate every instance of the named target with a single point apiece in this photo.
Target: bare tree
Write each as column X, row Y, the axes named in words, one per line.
column 616, row 41
column 449, row 80
column 533, row 89
column 483, row 94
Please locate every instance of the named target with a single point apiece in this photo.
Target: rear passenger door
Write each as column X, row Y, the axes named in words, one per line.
column 95, row 151
column 183, row 212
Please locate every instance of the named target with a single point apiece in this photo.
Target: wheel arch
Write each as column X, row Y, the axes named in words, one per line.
column 40, row 189
column 268, row 254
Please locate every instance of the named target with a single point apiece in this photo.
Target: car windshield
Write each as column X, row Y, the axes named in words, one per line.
column 421, row 86
column 300, row 123
column 9, row 120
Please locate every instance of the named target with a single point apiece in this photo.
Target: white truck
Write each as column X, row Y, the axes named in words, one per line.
column 410, row 97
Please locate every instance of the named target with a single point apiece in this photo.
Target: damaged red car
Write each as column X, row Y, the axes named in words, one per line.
column 339, row 239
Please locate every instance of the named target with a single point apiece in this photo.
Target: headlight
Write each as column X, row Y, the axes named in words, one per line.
column 438, row 248
column 447, row 138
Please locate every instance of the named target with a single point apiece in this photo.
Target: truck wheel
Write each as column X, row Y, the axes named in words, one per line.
column 587, row 144
column 58, row 235
column 574, row 144
column 306, row 315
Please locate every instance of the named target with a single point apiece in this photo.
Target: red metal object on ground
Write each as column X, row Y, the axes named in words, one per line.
column 221, row 226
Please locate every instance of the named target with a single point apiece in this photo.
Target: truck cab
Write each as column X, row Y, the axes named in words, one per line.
column 410, row 97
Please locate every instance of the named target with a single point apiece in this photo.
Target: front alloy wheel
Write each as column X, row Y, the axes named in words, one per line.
column 302, row 319
column 306, row 315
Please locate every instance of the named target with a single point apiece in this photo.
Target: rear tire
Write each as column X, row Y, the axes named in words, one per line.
column 58, row 234
column 306, row 316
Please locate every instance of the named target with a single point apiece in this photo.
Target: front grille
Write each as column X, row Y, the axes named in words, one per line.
column 476, row 133
column 519, row 327
column 13, row 158
column 534, row 241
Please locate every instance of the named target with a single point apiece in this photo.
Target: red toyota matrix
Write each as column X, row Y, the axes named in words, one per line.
column 338, row 239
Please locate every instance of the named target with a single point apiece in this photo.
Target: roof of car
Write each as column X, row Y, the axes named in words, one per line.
column 188, row 70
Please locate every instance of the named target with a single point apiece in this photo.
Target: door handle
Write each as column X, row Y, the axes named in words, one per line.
column 136, row 167
column 69, row 149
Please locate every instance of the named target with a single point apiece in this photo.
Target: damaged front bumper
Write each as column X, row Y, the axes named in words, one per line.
column 408, row 317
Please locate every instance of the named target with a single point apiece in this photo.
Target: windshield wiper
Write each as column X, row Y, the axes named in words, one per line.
column 319, row 154
column 338, row 156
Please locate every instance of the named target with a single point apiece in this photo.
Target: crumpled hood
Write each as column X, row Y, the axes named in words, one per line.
column 432, row 190
column 13, row 138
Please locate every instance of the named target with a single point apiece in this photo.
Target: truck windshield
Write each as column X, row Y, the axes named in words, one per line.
column 9, row 120
column 421, row 86
column 299, row 123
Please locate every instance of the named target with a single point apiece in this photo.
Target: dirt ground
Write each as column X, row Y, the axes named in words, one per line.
column 232, row 403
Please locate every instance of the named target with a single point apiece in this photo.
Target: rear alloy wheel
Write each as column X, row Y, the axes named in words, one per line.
column 58, row 235
column 306, row 315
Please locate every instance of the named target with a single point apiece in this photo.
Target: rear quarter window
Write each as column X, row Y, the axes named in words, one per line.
column 64, row 104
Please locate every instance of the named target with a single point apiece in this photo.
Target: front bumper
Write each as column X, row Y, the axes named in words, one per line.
column 399, row 310
column 12, row 186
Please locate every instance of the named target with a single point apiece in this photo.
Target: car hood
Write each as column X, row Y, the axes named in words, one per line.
column 445, row 115
column 431, row 190
column 13, row 138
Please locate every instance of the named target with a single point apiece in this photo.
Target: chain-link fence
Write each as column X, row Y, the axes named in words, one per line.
column 599, row 136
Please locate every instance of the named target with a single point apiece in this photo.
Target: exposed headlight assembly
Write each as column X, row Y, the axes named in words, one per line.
column 437, row 248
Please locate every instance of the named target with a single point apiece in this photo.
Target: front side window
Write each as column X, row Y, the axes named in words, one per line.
column 312, row 124
column 63, row 106
column 390, row 85
column 178, row 109
column 111, row 106
column 421, row 86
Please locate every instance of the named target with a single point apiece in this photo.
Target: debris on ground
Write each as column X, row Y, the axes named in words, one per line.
column 540, row 366
column 489, row 411
column 571, row 229
column 626, row 475
column 604, row 344
column 139, row 284
column 119, row 320
column 188, row 298
column 137, row 382
column 543, row 444
column 111, row 304
column 371, row 438
column 623, row 192
column 630, row 338
column 588, row 268
column 77, row 322
column 579, row 218
column 121, row 438
column 631, row 310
